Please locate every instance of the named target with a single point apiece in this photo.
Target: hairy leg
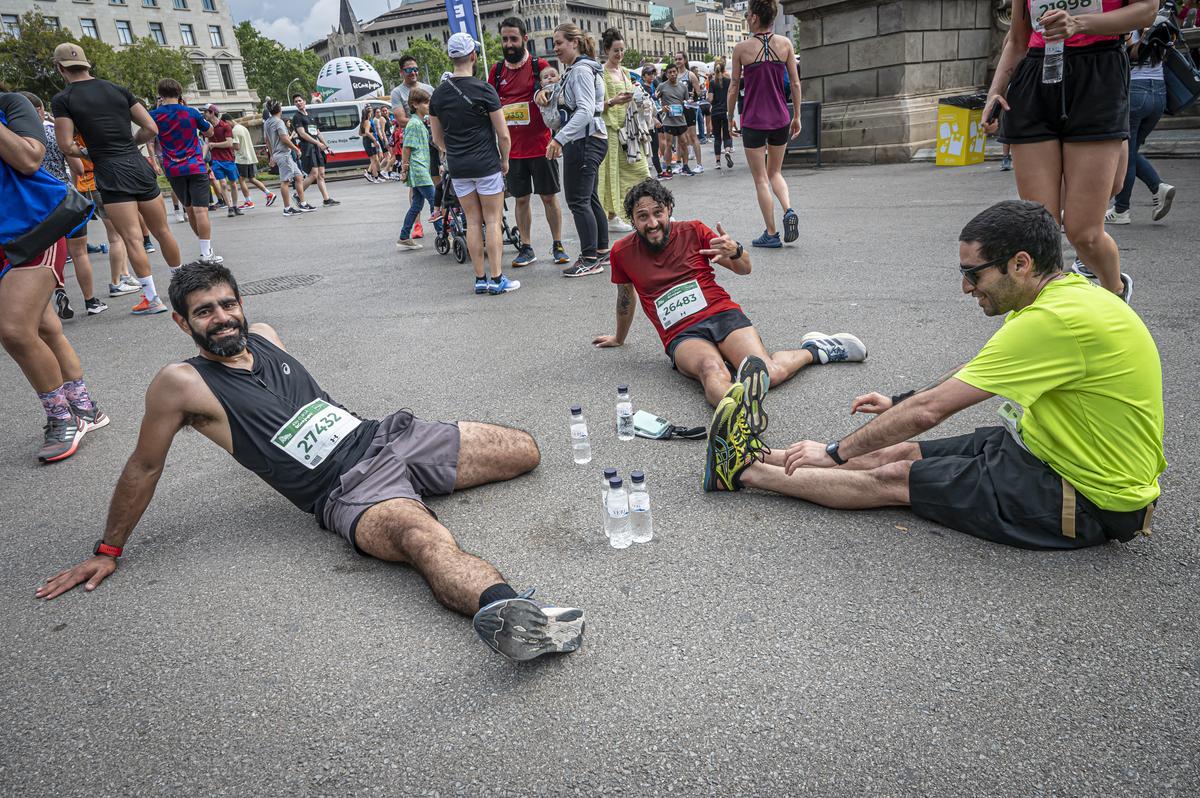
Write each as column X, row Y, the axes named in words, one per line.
column 702, row 361
column 908, row 451
column 781, row 366
column 885, row 486
column 491, row 453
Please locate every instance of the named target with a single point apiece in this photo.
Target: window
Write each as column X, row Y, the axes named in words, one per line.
column 189, row 37
column 181, row 5
column 375, row 47
column 343, row 117
column 157, row 33
column 214, row 36
column 116, row 2
column 198, row 74
column 210, row 5
column 549, row 45
column 124, row 32
column 392, row 44
column 11, row 23
column 52, row 22
column 227, row 77
column 150, row 3
column 88, row 28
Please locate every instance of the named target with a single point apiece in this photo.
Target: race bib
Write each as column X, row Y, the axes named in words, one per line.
column 1010, row 416
column 1073, row 7
column 674, row 109
column 317, row 428
column 676, row 304
column 516, row 114
column 314, row 131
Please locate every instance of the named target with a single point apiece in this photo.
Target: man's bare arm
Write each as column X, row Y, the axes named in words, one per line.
column 626, row 306
column 20, row 152
column 924, row 411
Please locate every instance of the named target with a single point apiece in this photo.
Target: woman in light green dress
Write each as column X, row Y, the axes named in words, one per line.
column 617, row 174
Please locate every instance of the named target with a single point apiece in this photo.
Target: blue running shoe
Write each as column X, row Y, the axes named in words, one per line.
column 791, row 226
column 771, row 241
column 521, row 628
column 503, row 285
column 525, row 256
column 481, row 285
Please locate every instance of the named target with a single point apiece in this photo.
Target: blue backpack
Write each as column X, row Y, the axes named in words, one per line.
column 39, row 209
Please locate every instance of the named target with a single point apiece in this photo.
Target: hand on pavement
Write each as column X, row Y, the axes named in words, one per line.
column 92, row 570
column 605, row 341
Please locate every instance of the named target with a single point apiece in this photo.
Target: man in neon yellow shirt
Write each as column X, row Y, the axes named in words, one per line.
column 1078, row 467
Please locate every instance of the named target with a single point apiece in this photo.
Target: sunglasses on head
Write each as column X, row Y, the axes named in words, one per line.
column 971, row 273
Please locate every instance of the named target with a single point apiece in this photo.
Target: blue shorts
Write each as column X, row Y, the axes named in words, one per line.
column 225, row 170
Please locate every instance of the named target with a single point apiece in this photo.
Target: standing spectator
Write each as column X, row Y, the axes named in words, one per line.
column 313, row 149
column 370, row 143
column 414, row 169
column 468, row 124
column 691, row 82
column 400, row 94
column 673, row 95
column 247, row 166
column 222, row 145
column 617, row 173
column 650, row 85
column 281, row 147
column 718, row 98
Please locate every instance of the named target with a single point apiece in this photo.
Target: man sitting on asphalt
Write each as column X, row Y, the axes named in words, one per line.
column 1077, row 468
column 667, row 264
column 365, row 480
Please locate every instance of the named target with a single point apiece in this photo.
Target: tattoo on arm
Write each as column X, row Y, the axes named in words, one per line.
column 625, row 299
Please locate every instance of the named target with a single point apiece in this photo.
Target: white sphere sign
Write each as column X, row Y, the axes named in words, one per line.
column 348, row 79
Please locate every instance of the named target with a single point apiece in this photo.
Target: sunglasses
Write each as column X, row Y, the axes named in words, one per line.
column 971, row 273
column 412, row 70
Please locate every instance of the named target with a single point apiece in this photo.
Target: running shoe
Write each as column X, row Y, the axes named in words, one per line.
column 718, row 164
column 1161, row 200
column 213, row 259
column 525, row 256
column 503, row 285
column 61, row 439
column 481, row 285
column 329, row 203
column 582, row 267
column 94, row 306
column 698, row 169
column 732, row 447
column 1126, row 287
column 149, row 247
column 270, row 200
column 521, row 628
column 90, row 419
column 369, row 177
column 768, row 240
column 1079, row 268
column 560, row 253
column 602, row 258
column 131, row 281
column 677, row 168
column 1113, row 216
column 289, row 212
column 839, row 348
column 232, row 212
column 619, row 225
column 237, row 211
column 418, row 231
column 305, row 207
column 791, row 226
column 122, row 288
column 729, row 158
column 180, row 216
column 96, row 249
column 62, row 305
column 687, row 170
column 409, row 244
column 1006, row 163
column 754, row 377
column 666, row 175
column 148, row 308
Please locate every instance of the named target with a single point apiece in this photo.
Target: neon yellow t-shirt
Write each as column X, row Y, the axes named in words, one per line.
column 1087, row 372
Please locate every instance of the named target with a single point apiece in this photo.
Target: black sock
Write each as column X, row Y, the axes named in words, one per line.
column 497, row 592
column 145, row 240
column 498, row 277
column 558, row 244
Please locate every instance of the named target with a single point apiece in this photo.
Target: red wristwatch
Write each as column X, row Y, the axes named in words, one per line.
column 104, row 548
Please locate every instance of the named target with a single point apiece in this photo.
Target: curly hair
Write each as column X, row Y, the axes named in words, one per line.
column 648, row 188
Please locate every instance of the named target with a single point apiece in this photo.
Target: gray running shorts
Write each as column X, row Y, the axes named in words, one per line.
column 407, row 459
column 285, row 165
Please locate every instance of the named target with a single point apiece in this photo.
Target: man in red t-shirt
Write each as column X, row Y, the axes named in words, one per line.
column 515, row 79
column 668, row 265
column 224, row 167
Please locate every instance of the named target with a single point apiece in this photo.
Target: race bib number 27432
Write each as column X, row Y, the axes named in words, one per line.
column 317, row 428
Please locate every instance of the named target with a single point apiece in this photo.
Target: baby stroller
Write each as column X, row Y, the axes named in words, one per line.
column 452, row 235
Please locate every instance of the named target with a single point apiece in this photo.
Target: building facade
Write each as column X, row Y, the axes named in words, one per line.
column 203, row 29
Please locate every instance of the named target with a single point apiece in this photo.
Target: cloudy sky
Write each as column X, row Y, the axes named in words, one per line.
column 300, row 22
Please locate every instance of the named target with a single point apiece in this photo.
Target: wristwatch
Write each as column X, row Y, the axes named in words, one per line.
column 832, row 451
column 740, row 251
column 104, row 548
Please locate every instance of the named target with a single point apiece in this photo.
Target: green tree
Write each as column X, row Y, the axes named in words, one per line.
column 432, row 58
column 140, row 66
column 273, row 70
column 389, row 71
column 27, row 59
column 632, row 59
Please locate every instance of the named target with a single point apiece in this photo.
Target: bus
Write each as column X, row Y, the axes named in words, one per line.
column 338, row 122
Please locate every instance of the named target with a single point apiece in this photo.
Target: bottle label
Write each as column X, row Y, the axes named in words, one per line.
column 618, row 512
column 579, row 431
column 640, row 504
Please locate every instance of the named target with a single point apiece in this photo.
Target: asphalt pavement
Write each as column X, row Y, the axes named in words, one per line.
column 758, row 646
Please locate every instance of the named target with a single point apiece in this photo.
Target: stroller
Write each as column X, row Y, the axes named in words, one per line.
column 452, row 225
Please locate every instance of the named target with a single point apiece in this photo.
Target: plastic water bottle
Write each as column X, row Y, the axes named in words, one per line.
column 1052, row 63
column 581, row 447
column 616, row 524
column 641, row 522
column 624, row 414
column 609, row 473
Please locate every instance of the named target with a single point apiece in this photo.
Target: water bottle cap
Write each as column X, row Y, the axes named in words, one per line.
column 609, row 473
column 615, row 482
column 638, row 476
column 576, row 410
column 622, row 389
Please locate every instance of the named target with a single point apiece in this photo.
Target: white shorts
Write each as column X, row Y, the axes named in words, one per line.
column 492, row 184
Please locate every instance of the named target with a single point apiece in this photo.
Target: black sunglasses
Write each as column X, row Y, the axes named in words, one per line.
column 971, row 273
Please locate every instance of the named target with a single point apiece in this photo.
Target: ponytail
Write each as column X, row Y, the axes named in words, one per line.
column 572, row 32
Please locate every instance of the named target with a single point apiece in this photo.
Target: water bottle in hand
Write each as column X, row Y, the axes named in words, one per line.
column 581, row 447
column 624, row 414
column 620, row 536
column 1052, row 63
column 641, row 522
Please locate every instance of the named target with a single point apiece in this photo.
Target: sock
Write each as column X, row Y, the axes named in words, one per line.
column 205, row 247
column 77, row 394
column 145, row 240
column 148, row 287
column 558, row 244
column 498, row 277
column 56, row 406
column 497, row 592
column 819, row 357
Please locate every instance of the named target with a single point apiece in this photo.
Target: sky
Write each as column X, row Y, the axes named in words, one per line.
column 297, row 23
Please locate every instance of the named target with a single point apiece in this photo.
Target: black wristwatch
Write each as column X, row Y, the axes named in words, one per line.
column 832, row 451
column 741, row 251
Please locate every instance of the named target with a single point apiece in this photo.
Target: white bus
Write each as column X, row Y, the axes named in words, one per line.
column 338, row 122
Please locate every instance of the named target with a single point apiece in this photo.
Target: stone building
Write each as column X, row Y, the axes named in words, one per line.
column 709, row 18
column 202, row 28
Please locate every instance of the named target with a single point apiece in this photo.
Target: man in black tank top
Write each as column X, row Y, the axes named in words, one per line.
column 363, row 479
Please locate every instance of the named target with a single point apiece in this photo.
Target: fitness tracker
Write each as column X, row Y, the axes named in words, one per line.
column 741, row 251
column 104, row 548
column 832, row 451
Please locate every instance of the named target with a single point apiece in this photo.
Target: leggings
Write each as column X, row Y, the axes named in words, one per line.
column 581, row 174
column 720, row 130
column 655, row 143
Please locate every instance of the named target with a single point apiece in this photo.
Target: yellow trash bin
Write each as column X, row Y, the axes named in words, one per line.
column 960, row 136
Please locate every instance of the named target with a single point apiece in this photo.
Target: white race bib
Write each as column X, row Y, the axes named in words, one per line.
column 1073, row 7
column 679, row 302
column 317, row 428
column 516, row 114
column 314, row 131
column 674, row 109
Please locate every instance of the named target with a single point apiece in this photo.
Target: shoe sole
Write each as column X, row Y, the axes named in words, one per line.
column 149, row 312
column 791, row 227
column 79, row 433
column 530, row 262
column 756, row 380
column 100, row 423
column 1118, row 220
column 1166, row 205
column 97, row 311
column 587, row 273
column 729, row 160
column 562, row 260
column 523, row 631
column 773, row 245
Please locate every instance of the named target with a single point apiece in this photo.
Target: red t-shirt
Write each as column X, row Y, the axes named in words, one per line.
column 529, row 133
column 675, row 284
column 1086, row 6
column 222, row 130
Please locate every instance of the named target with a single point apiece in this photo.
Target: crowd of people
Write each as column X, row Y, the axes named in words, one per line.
column 1075, row 462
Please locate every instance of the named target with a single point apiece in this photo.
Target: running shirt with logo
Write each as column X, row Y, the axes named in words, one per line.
column 100, row 111
column 1037, row 8
column 222, row 132
column 178, row 138
column 673, row 98
column 676, row 284
column 245, row 151
column 284, row 427
column 528, row 131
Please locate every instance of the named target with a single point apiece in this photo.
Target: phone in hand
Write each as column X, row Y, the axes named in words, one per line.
column 995, row 113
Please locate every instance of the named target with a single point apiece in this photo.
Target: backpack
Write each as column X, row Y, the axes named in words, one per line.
column 39, row 209
column 537, row 64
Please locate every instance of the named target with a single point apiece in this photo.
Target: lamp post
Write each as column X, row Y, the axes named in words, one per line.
column 289, row 90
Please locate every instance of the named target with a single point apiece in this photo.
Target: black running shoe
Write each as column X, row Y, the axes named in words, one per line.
column 791, row 226
column 329, row 203
column 90, row 419
column 95, row 306
column 62, row 304
column 560, row 253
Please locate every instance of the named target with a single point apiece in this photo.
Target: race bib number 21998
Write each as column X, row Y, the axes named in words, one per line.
column 1039, row 8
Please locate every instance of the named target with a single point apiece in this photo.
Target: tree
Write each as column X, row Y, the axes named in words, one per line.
column 273, row 70
column 389, row 71
column 632, row 59
column 432, row 58
column 27, row 59
column 140, row 66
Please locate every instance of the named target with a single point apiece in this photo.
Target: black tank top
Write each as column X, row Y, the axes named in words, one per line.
column 284, row 427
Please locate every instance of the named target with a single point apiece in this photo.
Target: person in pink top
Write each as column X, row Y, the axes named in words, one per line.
column 1067, row 137
column 765, row 66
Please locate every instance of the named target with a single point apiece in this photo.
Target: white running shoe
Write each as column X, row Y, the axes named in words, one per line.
column 1162, row 199
column 1113, row 216
column 698, row 168
column 521, row 628
column 619, row 225
column 839, row 348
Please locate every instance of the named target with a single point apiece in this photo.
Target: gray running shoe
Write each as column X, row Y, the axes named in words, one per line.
column 521, row 628
column 213, row 259
column 753, row 375
column 1162, row 199
column 90, row 419
column 839, row 348
column 62, row 436
column 131, row 281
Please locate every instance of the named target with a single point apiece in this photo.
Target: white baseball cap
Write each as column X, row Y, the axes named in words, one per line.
column 460, row 45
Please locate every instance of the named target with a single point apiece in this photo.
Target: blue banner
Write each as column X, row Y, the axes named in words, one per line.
column 462, row 17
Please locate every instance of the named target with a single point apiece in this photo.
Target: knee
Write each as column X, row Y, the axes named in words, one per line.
column 776, row 373
column 712, row 367
column 13, row 335
column 1085, row 236
column 528, row 453
column 893, row 479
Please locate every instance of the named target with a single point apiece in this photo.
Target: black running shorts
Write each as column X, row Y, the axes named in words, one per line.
column 128, row 179
column 753, row 138
column 1090, row 104
column 689, row 114
column 985, row 484
column 714, row 329
column 312, row 158
column 532, row 176
column 248, row 171
column 191, row 190
column 674, row 130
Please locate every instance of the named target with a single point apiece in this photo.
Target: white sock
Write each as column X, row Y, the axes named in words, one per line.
column 205, row 247
column 148, row 287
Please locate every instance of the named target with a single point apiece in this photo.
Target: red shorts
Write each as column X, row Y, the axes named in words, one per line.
column 54, row 259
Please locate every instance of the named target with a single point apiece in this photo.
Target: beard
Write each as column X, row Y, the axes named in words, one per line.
column 666, row 238
column 513, row 55
column 226, row 347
